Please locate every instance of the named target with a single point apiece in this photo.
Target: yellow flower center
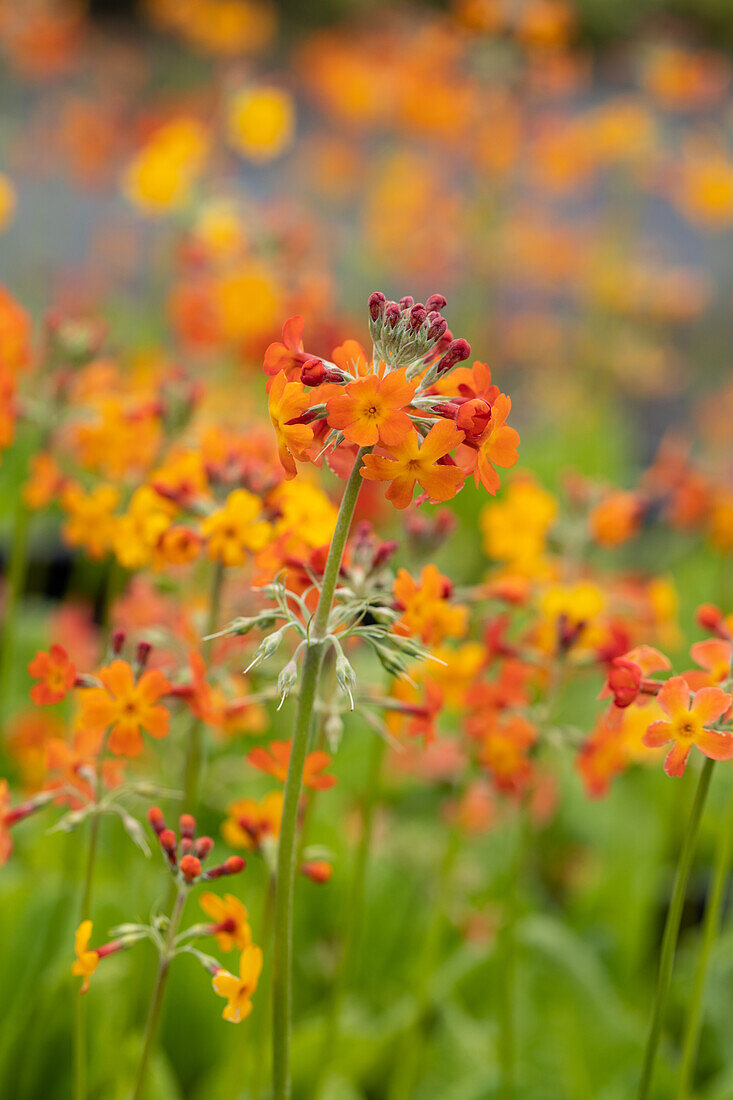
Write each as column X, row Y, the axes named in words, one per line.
column 686, row 727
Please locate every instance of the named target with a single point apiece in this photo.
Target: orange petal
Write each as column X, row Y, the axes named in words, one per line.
column 710, row 703
column 674, row 696
column 676, row 761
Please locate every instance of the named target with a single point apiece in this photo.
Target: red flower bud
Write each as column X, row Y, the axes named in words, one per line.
column 203, row 846
column 313, row 373
column 156, row 819
column 118, row 640
column 436, row 302
column 624, row 681
column 473, row 417
column 377, row 302
column 143, row 652
column 456, row 353
column 190, row 868
column 317, row 870
column 168, row 844
column 407, row 302
column 187, row 825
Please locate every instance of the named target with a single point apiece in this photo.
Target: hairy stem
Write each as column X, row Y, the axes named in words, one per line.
column 192, row 764
column 308, row 691
column 671, row 929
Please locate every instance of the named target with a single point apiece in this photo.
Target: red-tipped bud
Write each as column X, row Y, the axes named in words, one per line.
column 187, row 825
column 156, row 819
column 417, row 316
column 307, row 417
column 438, row 326
column 143, row 652
column 313, row 372
column 384, row 553
column 444, row 342
column 168, row 844
column 190, row 868
column 447, row 409
column 202, row 847
column 456, row 353
column 474, row 416
column 231, row 866
column 377, row 302
column 710, row 617
column 392, row 314
column 624, row 681
column 118, row 640
column 436, row 302
column 317, row 870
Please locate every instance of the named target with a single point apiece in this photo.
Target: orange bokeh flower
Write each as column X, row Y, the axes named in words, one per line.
column 56, row 674
column 127, row 707
column 275, row 759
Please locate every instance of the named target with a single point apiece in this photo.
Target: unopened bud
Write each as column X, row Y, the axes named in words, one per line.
column 436, row 302
column 438, row 326
column 190, row 868
column 187, row 825
column 156, row 819
column 317, row 870
column 417, row 316
column 286, row 680
column 473, row 416
column 377, row 302
column 118, row 640
column 143, row 652
column 313, row 372
column 266, row 648
column 168, row 844
column 392, row 314
column 456, row 353
column 407, row 302
column 345, row 677
column 202, row 847
column 231, row 866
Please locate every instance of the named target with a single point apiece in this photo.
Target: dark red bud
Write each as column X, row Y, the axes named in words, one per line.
column 313, row 372
column 436, row 301
column 377, row 303
column 392, row 314
column 417, row 317
column 187, row 825
column 156, row 819
column 202, row 847
column 118, row 640
column 407, row 302
column 456, row 353
column 143, row 652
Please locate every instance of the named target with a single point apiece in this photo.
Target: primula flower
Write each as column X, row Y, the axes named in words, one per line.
column 86, row 961
column 275, row 759
column 289, row 355
column 236, row 529
column 127, row 707
column 56, row 674
column 371, row 410
column 496, row 447
column 715, row 657
column 238, row 990
column 250, row 822
column 426, row 611
column 688, row 725
column 628, row 676
column 287, row 402
column 90, row 519
column 231, row 926
column 411, row 462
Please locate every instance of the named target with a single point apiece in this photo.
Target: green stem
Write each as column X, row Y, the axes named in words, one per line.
column 192, row 764
column 156, row 1004
column 671, row 929
column 711, row 927
column 508, row 956
column 258, row 1041
column 283, row 931
column 353, row 913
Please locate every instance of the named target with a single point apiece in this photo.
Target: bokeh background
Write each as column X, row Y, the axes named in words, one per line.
column 196, row 171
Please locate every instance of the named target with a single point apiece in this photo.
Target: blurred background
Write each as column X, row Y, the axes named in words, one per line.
column 196, row 171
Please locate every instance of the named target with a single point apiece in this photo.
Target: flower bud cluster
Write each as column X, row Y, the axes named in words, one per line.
column 185, row 854
column 409, row 334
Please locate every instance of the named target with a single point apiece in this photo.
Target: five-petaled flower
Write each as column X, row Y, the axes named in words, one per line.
column 235, row 529
column 275, row 759
column 238, row 990
column 287, row 402
column 371, row 410
column 231, row 926
column 411, row 462
column 688, row 725
column 127, row 707
column 56, row 674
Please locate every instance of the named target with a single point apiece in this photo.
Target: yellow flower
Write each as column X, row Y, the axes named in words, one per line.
column 160, row 177
column 236, row 528
column 139, row 531
column 515, row 528
column 261, row 122
column 238, row 990
column 7, row 202
column 86, row 961
column 90, row 521
column 306, row 513
column 231, row 920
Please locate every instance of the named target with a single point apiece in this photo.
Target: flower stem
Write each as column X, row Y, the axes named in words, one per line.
column 15, row 583
column 353, row 914
column 711, row 927
column 508, row 955
column 156, row 1004
column 310, row 675
column 192, row 764
column 671, row 929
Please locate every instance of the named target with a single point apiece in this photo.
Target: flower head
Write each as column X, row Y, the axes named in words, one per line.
column 127, row 707
column 86, row 961
column 231, row 926
column 410, row 461
column 371, row 409
column 688, row 725
column 56, row 675
column 275, row 759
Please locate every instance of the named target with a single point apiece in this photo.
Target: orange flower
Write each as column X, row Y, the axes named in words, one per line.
column 615, row 519
column 371, row 409
column 275, row 762
column 290, row 355
column 127, row 707
column 688, row 724
column 249, row 822
column 714, row 656
column 56, row 674
column 496, row 447
column 426, row 611
column 288, row 401
column 409, row 462
column 238, row 990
